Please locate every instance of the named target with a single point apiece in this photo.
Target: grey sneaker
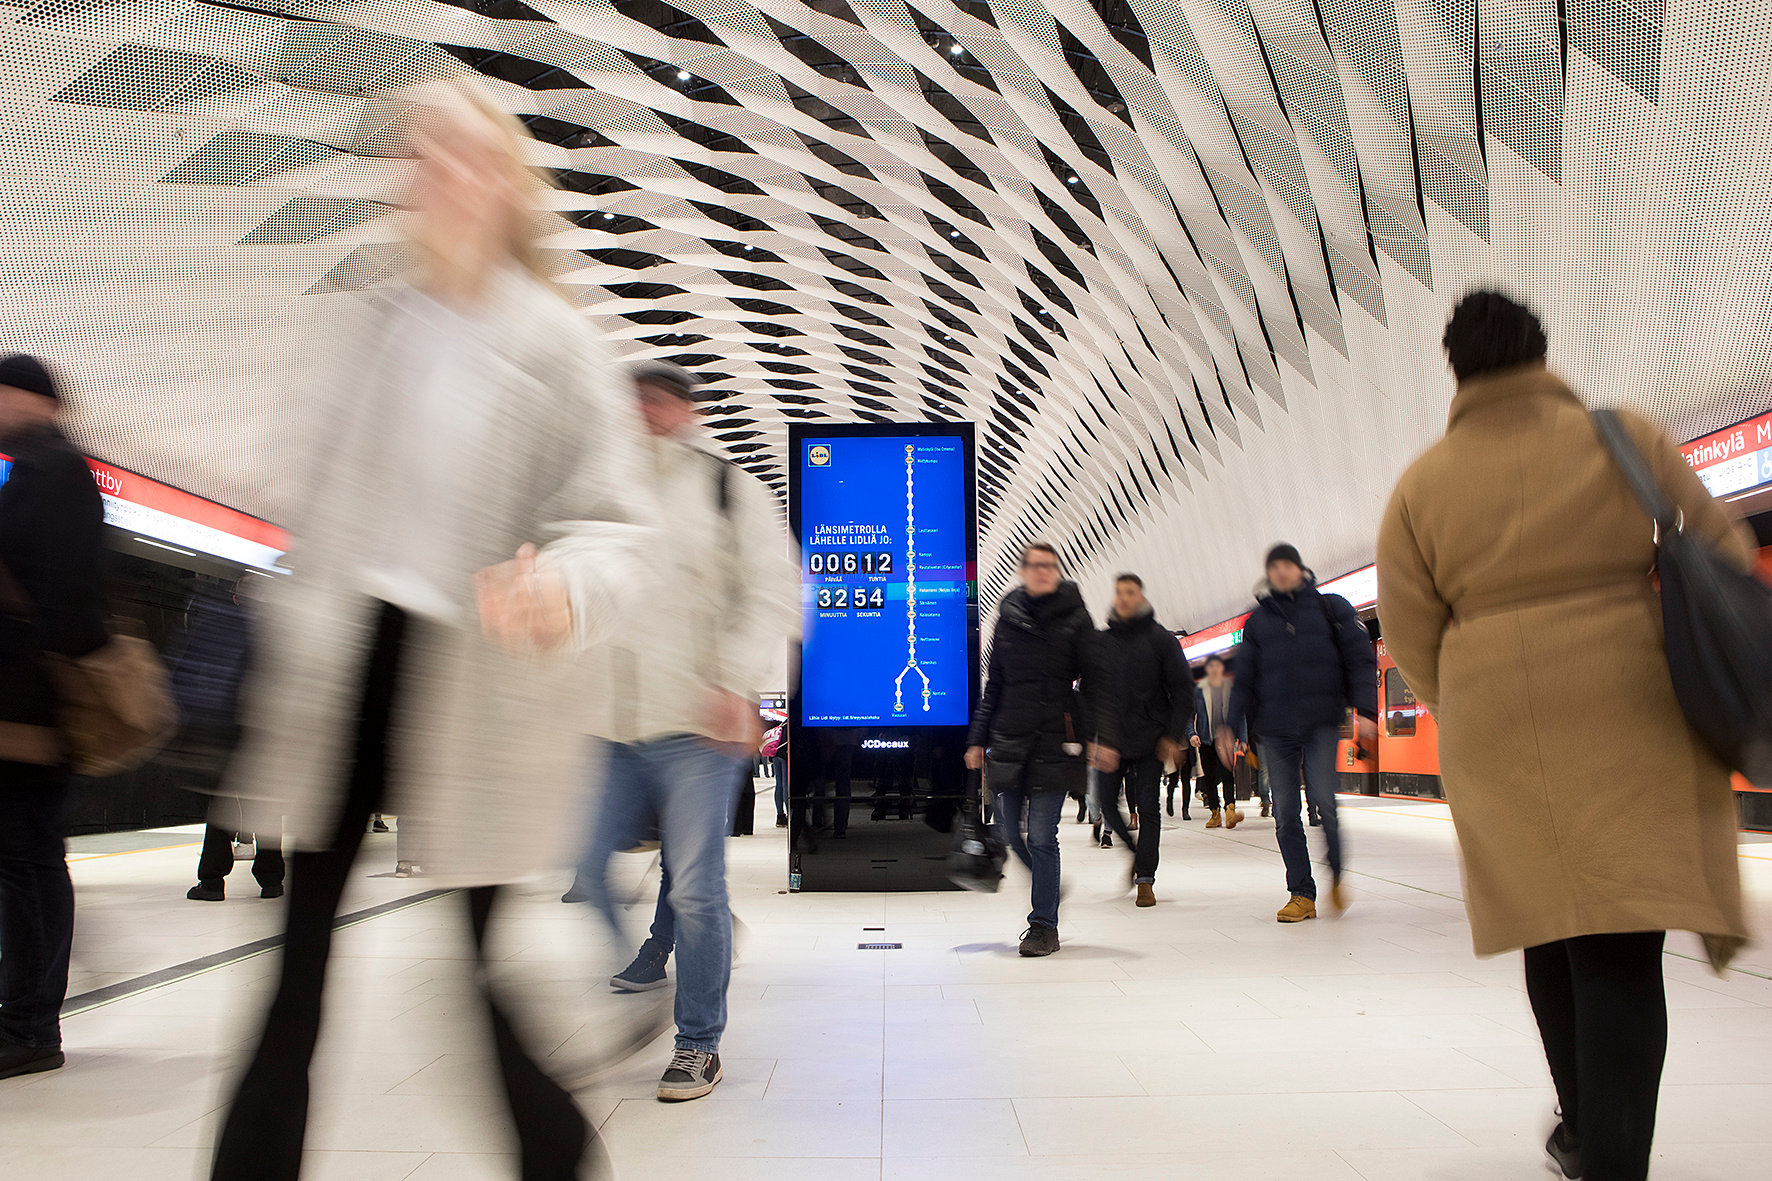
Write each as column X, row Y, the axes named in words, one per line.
column 1038, row 940
column 691, row 1074
column 646, row 973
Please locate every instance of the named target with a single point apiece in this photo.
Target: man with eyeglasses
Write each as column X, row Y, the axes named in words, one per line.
column 1048, row 699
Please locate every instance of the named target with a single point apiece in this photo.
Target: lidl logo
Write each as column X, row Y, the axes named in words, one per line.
column 819, row 455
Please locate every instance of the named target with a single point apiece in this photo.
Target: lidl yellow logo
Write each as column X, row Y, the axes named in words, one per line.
column 819, row 456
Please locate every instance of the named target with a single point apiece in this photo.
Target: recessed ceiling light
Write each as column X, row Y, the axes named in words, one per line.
column 609, row 217
column 953, row 233
column 1071, row 181
column 955, row 49
column 682, row 75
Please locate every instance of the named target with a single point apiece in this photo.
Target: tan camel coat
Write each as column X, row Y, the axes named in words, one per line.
column 1514, row 590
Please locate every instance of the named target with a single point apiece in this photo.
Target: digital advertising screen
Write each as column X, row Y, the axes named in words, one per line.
column 888, row 553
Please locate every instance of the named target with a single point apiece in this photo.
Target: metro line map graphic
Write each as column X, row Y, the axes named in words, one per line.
column 884, row 585
column 910, row 579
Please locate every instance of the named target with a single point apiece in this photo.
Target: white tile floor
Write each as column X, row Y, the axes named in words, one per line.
column 1198, row 1039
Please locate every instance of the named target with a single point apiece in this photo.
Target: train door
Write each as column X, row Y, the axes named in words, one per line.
column 1408, row 737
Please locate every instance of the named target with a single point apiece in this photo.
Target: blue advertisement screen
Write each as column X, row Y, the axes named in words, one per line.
column 884, row 581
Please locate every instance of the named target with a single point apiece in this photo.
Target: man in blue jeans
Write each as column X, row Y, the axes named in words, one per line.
column 1306, row 678
column 683, row 717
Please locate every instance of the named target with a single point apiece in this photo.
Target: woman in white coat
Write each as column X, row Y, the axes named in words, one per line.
column 406, row 664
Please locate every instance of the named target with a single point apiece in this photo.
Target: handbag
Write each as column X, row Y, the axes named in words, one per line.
column 114, row 705
column 1717, row 620
column 976, row 857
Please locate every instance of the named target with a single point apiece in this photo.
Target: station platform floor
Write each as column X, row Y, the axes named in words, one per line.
column 1198, row 1039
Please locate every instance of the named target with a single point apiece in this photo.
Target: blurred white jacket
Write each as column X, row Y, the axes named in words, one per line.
column 720, row 602
column 486, row 748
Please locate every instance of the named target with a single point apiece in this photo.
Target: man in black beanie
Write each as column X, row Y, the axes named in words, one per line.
column 1306, row 678
column 51, row 600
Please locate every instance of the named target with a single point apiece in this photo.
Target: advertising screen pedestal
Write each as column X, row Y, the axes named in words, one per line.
column 886, row 520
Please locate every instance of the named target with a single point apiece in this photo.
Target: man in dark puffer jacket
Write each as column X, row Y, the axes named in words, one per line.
column 1305, row 661
column 1033, row 721
column 1155, row 694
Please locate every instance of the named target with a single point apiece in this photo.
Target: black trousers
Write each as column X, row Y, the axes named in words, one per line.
column 36, row 903
column 1602, row 1012
column 217, row 859
column 1141, row 779
column 1216, row 779
column 1178, row 781
column 267, row 1121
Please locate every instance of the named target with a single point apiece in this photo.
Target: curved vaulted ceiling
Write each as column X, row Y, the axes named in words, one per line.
column 1184, row 263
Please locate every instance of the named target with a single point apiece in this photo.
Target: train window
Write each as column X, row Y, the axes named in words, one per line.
column 1399, row 706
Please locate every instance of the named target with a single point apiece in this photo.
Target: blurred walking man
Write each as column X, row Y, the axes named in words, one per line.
column 1212, row 707
column 1048, row 706
column 1153, row 689
column 683, row 718
column 51, row 600
column 1305, row 672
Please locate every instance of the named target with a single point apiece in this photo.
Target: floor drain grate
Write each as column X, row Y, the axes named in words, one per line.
column 879, row 946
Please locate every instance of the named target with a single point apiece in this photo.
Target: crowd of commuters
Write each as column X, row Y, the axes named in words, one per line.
column 452, row 632
column 1068, row 709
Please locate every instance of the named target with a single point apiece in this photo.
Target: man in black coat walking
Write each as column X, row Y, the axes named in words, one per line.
column 1049, row 692
column 206, row 682
column 1155, row 694
column 51, row 529
column 1306, row 678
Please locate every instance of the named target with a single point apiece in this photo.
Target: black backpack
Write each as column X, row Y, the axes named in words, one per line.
column 1718, row 624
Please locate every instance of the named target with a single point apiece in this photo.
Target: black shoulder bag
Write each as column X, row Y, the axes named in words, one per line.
column 1717, row 620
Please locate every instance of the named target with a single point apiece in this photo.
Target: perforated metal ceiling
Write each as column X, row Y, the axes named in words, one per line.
column 1185, row 263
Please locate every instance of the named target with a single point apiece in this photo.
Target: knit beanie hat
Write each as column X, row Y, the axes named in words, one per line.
column 27, row 373
column 1284, row 553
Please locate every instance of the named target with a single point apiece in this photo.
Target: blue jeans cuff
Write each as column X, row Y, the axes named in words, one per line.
column 691, row 1044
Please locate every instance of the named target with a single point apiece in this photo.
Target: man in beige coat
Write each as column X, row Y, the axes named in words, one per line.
column 1513, row 577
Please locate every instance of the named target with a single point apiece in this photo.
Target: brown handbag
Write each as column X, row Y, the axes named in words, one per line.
column 114, row 707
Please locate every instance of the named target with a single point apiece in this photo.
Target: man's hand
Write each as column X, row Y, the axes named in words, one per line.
column 1226, row 742
column 1359, row 728
column 732, row 720
column 975, row 758
column 1194, row 741
column 1169, row 751
column 1104, row 758
column 523, row 607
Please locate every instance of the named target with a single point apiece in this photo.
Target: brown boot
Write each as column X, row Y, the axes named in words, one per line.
column 1297, row 910
column 1267, row 809
column 1232, row 817
column 1217, row 820
column 1339, row 898
column 1146, row 895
